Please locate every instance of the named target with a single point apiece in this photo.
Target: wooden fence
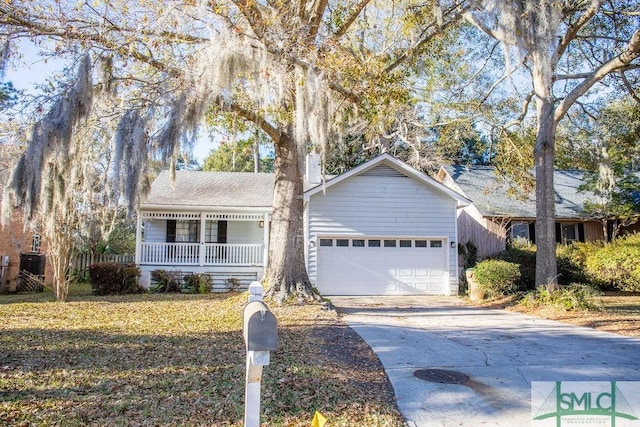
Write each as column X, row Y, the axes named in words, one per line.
column 81, row 263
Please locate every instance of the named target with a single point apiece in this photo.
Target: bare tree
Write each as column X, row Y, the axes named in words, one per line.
column 568, row 47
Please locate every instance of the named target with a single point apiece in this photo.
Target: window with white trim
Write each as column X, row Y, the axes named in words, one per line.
column 211, row 231
column 187, row 231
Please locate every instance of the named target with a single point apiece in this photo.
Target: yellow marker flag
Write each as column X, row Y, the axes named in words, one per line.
column 318, row 420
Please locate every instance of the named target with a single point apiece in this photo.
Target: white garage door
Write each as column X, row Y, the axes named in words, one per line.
column 381, row 266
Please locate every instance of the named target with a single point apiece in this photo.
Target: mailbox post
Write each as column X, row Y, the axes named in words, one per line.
column 260, row 337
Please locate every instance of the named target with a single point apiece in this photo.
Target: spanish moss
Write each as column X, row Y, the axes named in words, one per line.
column 50, row 136
column 130, row 160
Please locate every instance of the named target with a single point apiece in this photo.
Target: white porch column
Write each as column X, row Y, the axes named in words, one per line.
column 203, row 224
column 265, row 239
column 138, row 238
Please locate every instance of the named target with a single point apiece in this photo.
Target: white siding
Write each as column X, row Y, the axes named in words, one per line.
column 244, row 232
column 382, row 204
column 155, row 231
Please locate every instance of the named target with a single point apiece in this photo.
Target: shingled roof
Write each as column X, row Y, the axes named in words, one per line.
column 489, row 196
column 211, row 189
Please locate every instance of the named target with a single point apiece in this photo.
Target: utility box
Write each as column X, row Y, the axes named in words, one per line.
column 33, row 263
column 260, row 327
column 31, row 275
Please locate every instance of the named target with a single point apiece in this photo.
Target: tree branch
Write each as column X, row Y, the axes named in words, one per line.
column 252, row 14
column 501, row 36
column 252, row 117
column 506, row 75
column 354, row 15
column 630, row 88
column 620, row 62
column 319, row 6
column 73, row 34
column 578, row 76
column 453, row 13
column 523, row 112
column 572, row 31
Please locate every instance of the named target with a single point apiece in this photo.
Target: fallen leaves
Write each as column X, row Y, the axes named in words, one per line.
column 179, row 360
column 620, row 313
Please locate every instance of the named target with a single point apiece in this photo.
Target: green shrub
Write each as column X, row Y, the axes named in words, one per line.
column 525, row 258
column 163, row 281
column 198, row 283
column 111, row 278
column 616, row 264
column 573, row 297
column 572, row 261
column 578, row 252
column 496, row 277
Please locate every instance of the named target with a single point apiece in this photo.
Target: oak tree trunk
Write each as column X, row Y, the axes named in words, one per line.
column 544, row 154
column 286, row 274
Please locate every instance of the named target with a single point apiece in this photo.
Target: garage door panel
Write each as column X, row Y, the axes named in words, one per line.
column 436, row 273
column 420, row 272
column 365, row 270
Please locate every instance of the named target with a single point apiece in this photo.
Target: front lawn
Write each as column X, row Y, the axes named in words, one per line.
column 178, row 360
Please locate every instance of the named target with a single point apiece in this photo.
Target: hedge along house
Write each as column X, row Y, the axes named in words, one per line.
column 206, row 222
column 497, row 218
column 382, row 228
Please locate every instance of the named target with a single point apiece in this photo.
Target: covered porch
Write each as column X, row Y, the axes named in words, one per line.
column 201, row 254
column 215, row 223
column 225, row 244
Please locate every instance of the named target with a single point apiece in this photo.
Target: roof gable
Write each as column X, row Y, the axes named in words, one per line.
column 202, row 190
column 388, row 165
column 489, row 195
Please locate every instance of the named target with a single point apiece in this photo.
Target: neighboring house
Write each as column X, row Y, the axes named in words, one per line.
column 496, row 217
column 381, row 228
column 20, row 249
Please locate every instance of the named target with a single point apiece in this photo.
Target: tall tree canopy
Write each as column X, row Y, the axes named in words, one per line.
column 302, row 72
column 567, row 48
column 237, row 157
column 605, row 143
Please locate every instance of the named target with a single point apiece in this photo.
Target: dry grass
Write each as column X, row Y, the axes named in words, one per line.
column 178, row 360
column 619, row 313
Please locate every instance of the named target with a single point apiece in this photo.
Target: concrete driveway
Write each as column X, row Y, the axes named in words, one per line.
column 500, row 352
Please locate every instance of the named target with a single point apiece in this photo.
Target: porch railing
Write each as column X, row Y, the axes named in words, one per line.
column 159, row 253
